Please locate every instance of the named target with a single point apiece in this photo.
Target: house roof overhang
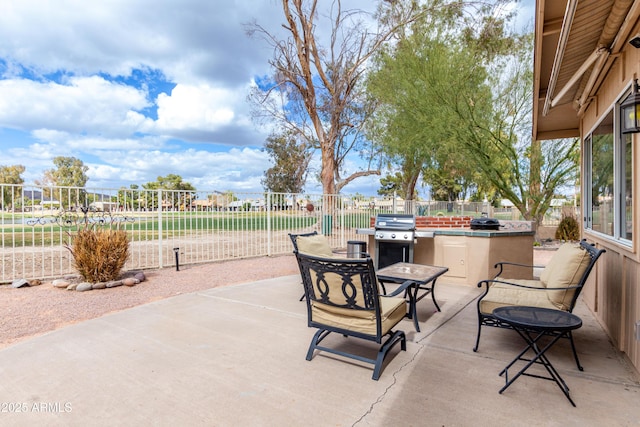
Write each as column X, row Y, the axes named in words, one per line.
column 576, row 42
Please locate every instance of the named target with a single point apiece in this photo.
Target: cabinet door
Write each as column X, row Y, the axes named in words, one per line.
column 455, row 257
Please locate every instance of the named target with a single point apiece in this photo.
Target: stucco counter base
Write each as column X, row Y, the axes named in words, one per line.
column 469, row 254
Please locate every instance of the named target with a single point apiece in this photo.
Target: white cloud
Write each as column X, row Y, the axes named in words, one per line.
column 85, row 104
column 191, row 40
column 200, row 107
column 237, row 169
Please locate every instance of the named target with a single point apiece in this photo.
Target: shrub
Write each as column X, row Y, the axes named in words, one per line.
column 99, row 255
column 568, row 228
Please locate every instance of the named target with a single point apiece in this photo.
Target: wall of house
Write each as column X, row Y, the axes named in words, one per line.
column 614, row 295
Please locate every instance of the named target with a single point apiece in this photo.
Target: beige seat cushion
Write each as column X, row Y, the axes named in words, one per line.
column 566, row 268
column 502, row 296
column 392, row 311
column 316, row 245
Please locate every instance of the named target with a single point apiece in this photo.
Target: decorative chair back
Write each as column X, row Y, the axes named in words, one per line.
column 342, row 283
column 339, row 285
column 342, row 297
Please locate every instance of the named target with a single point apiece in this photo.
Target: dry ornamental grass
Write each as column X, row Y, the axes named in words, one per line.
column 99, row 255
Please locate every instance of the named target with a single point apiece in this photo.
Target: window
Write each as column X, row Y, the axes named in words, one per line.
column 627, row 190
column 608, row 179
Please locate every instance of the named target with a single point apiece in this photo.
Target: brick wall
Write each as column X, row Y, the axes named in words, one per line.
column 438, row 221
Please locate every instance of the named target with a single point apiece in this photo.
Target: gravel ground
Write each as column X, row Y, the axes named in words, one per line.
column 30, row 311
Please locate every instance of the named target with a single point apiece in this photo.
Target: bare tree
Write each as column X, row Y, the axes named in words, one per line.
column 316, row 91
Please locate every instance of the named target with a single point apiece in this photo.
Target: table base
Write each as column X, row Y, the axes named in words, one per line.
column 424, row 279
column 539, row 358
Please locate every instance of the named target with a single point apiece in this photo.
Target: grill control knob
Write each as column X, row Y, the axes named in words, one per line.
column 406, row 237
column 393, row 235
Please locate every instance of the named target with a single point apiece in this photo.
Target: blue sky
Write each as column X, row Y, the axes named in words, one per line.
column 138, row 89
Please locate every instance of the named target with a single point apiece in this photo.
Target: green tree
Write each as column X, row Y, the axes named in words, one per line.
column 179, row 196
column 69, row 177
column 457, row 104
column 291, row 157
column 169, row 182
column 11, row 175
column 391, row 184
column 129, row 198
column 69, row 172
column 495, row 133
column 412, row 126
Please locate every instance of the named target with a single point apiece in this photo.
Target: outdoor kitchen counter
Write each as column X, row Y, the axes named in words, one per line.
column 469, row 254
column 430, row 232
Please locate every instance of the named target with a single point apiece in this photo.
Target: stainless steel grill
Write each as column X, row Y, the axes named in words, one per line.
column 394, row 239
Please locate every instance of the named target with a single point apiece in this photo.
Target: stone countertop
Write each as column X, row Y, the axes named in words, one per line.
column 482, row 233
column 432, row 232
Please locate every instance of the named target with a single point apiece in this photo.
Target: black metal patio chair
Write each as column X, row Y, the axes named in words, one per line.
column 558, row 288
column 342, row 296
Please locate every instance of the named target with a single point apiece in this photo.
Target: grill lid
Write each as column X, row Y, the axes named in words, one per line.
column 399, row 222
column 485, row 224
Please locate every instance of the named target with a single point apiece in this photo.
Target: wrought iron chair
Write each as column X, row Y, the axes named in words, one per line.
column 559, row 286
column 342, row 296
column 294, row 240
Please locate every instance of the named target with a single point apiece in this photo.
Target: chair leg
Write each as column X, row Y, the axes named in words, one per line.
column 317, row 337
column 478, row 337
column 575, row 354
column 396, row 337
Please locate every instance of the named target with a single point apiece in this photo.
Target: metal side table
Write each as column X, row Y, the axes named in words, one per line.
column 532, row 323
column 423, row 277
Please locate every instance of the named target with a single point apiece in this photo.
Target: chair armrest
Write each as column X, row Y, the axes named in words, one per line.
column 402, row 288
column 488, row 282
column 504, row 282
column 503, row 263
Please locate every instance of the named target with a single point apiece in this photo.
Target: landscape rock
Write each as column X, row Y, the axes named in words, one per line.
column 140, row 276
column 35, row 282
column 72, row 287
column 84, row 286
column 60, row 283
column 130, row 281
column 99, row 285
column 113, row 283
column 19, row 283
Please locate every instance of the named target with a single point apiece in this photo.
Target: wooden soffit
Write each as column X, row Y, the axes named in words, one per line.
column 576, row 42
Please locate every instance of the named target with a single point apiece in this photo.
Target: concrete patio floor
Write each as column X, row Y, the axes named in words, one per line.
column 235, row 356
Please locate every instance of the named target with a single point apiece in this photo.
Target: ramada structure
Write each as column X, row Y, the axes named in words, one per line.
column 587, row 58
